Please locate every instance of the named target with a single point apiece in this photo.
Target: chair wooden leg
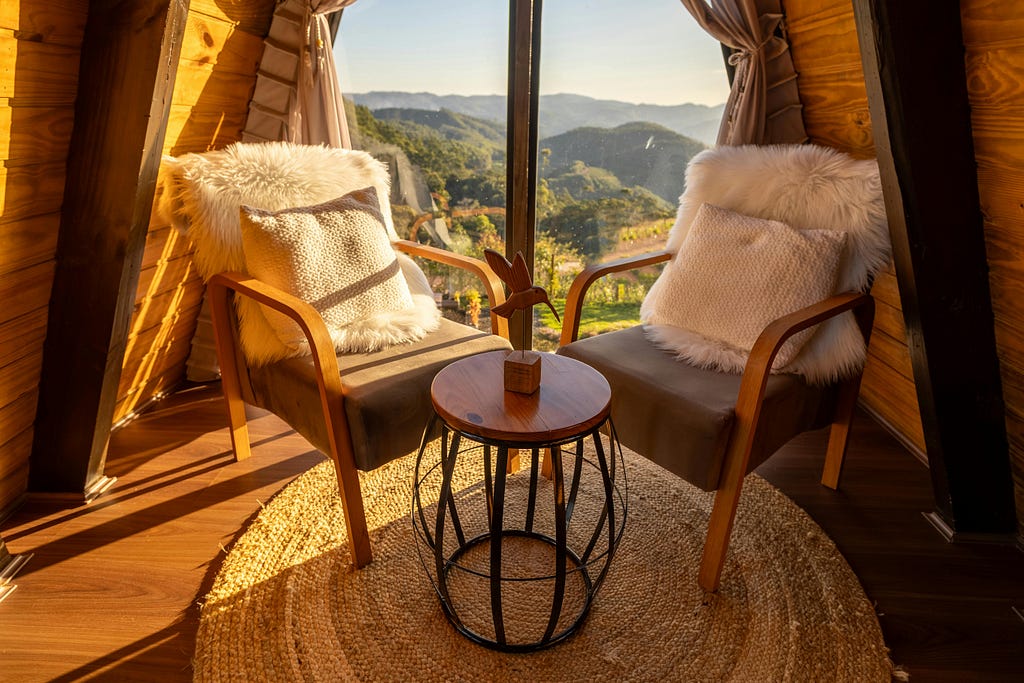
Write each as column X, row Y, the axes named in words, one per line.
column 237, row 424
column 352, row 505
column 839, row 434
column 229, row 379
column 513, row 461
column 723, row 512
column 545, row 465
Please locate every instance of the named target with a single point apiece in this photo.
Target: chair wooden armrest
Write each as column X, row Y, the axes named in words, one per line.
column 748, row 412
column 771, row 339
column 328, row 379
column 492, row 284
column 587, row 277
column 321, row 345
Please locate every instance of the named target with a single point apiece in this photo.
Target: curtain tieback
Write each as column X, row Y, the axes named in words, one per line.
column 742, row 54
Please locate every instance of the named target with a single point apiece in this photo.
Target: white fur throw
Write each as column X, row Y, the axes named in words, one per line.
column 806, row 187
column 202, row 194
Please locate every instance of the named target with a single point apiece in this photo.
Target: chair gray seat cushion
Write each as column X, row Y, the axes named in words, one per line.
column 680, row 416
column 387, row 392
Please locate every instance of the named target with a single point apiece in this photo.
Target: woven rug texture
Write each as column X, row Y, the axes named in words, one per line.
column 287, row 604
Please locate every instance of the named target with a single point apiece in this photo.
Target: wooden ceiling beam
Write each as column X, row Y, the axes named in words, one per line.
column 913, row 58
column 129, row 60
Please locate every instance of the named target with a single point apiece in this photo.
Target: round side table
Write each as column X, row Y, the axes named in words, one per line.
column 517, row 558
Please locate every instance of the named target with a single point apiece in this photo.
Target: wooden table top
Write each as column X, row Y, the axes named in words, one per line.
column 470, row 396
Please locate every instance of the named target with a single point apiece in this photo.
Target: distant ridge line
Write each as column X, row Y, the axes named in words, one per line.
column 561, row 112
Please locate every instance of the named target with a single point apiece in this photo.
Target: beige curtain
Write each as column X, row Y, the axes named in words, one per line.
column 763, row 105
column 297, row 96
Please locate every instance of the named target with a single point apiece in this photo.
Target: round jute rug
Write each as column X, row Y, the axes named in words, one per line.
column 288, row 606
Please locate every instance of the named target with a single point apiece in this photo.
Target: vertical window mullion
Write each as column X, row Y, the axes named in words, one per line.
column 521, row 183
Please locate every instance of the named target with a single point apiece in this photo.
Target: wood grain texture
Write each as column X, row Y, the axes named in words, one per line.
column 826, row 53
column 250, row 16
column 14, row 472
column 50, row 129
column 27, row 242
column 40, row 44
column 124, row 576
column 26, row 290
column 891, row 395
column 221, row 48
column 30, row 191
column 58, row 22
column 572, row 399
column 165, row 276
column 21, row 335
column 129, row 57
column 994, row 46
column 43, row 74
column 17, row 416
column 962, row 410
column 20, row 378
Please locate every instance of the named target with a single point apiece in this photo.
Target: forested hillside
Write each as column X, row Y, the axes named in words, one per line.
column 600, row 192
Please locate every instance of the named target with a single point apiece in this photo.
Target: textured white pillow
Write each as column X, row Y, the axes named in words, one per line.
column 336, row 256
column 732, row 276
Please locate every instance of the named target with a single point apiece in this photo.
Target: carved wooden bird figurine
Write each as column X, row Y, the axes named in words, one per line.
column 522, row 292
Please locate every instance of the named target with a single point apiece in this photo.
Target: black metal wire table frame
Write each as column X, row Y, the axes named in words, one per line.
column 595, row 558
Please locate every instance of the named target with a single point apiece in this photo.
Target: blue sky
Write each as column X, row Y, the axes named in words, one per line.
column 648, row 51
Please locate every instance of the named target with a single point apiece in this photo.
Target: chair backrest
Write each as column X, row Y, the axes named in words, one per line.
column 201, row 194
column 805, row 186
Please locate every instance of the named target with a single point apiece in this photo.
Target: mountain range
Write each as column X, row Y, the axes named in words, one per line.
column 560, row 113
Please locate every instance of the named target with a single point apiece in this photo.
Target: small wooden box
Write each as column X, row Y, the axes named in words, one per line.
column 522, row 372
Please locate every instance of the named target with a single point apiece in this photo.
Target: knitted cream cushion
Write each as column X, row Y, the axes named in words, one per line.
column 336, row 256
column 734, row 275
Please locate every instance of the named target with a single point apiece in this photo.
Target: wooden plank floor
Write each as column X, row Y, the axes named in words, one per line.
column 112, row 591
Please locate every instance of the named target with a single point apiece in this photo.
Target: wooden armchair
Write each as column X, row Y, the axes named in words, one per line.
column 361, row 409
column 711, row 427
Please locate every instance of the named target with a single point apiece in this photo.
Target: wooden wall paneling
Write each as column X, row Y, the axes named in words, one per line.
column 57, row 22
column 249, row 16
column 221, row 48
column 886, row 394
column 14, row 470
column 26, row 290
column 45, row 73
column 993, row 33
column 939, row 253
column 51, row 127
column 40, row 42
column 893, row 352
column 27, row 242
column 209, row 40
column 129, row 57
column 17, row 416
column 164, row 310
column 31, row 190
column 18, row 381
column 20, row 334
column 174, row 347
column 826, row 52
column 165, row 276
column 198, row 131
column 145, row 395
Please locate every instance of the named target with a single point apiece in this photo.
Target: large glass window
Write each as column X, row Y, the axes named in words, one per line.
column 426, row 89
column 629, row 92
